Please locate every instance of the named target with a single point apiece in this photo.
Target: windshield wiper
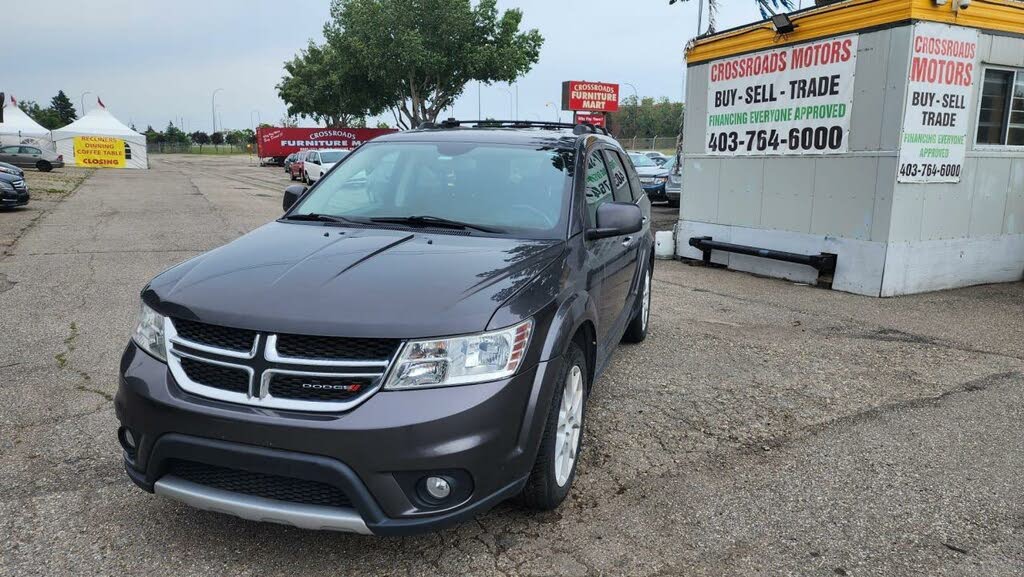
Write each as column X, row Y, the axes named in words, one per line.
column 435, row 221
column 316, row 217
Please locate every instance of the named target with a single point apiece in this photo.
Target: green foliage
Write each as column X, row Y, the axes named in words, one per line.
column 65, row 110
column 647, row 118
column 321, row 85
column 199, row 137
column 46, row 117
column 217, row 138
column 175, row 135
column 414, row 57
column 240, row 137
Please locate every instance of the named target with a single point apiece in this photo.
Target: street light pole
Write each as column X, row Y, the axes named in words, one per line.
column 213, row 108
column 83, row 101
column 558, row 111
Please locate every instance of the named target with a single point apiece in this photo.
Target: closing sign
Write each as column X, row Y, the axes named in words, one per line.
column 788, row 101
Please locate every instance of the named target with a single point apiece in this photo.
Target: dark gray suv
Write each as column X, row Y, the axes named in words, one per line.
column 412, row 343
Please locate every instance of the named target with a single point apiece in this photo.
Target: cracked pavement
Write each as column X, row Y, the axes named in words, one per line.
column 764, row 428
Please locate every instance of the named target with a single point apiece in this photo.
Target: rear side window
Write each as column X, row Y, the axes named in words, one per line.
column 621, row 189
column 599, row 187
column 30, row 150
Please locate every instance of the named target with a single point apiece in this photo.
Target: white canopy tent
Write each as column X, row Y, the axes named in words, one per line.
column 19, row 128
column 101, row 141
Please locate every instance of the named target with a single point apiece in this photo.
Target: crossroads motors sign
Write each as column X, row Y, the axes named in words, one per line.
column 272, row 141
column 590, row 96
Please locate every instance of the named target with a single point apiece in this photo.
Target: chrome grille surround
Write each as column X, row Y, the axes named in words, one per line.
column 261, row 363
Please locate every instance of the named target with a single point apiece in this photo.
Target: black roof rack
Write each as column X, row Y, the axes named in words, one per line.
column 581, row 128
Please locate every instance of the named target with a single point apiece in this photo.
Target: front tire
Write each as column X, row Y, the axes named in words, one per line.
column 555, row 468
column 636, row 332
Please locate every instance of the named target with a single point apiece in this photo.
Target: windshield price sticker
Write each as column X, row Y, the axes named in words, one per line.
column 787, row 101
column 942, row 72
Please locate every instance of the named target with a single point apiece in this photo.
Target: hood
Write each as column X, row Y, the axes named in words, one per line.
column 328, row 280
column 651, row 171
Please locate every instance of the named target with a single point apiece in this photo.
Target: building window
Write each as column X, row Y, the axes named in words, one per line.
column 1001, row 111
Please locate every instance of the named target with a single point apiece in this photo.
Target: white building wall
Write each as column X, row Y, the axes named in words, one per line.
column 891, row 238
column 970, row 232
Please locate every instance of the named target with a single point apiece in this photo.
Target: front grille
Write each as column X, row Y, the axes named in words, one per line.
column 275, row 487
column 238, row 340
column 335, row 348
column 304, row 388
column 216, row 376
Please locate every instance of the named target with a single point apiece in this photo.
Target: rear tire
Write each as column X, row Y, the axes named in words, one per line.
column 44, row 166
column 636, row 332
column 558, row 456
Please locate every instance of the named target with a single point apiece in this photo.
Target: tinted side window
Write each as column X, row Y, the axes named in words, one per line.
column 620, row 178
column 598, row 188
column 30, row 150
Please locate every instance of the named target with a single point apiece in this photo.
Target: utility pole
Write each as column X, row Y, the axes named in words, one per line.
column 479, row 100
column 82, row 101
column 213, row 108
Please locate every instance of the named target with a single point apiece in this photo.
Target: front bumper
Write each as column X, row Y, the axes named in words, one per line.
column 10, row 201
column 655, row 191
column 490, row 432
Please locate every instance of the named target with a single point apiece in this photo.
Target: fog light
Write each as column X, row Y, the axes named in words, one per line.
column 438, row 488
column 129, row 438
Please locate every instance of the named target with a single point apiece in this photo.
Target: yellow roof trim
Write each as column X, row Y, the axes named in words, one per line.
column 852, row 16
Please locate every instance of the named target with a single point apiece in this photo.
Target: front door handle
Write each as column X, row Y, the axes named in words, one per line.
column 627, row 241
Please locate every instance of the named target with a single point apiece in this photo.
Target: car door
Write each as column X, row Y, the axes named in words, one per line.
column 609, row 261
column 313, row 168
column 30, row 155
column 9, row 154
column 628, row 276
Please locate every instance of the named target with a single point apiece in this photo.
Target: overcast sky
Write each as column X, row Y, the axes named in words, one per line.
column 152, row 62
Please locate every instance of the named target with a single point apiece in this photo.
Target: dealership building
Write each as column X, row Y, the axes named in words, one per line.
column 877, row 145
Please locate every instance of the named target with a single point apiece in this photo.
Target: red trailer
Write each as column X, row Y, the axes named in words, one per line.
column 274, row 144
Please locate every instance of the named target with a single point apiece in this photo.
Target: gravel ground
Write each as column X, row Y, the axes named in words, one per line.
column 764, row 428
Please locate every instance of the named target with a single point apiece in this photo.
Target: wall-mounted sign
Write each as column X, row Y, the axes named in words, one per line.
column 595, row 118
column 591, row 96
column 787, row 101
column 99, row 151
column 943, row 66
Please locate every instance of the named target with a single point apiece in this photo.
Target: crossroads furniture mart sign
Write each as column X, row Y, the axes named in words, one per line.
column 943, row 67
column 590, row 96
column 99, row 151
column 787, row 101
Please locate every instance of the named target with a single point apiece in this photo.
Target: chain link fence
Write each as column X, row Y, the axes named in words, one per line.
column 666, row 144
column 183, row 148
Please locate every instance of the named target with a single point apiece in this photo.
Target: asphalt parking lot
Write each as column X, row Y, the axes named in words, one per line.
column 764, row 428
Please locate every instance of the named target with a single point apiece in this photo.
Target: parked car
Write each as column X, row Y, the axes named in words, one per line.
column 674, row 186
column 295, row 169
column 11, row 169
column 410, row 344
column 13, row 190
column 31, row 157
column 659, row 158
column 653, row 178
column 288, row 160
column 317, row 162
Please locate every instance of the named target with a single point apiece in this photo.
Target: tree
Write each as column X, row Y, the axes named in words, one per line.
column 321, row 85
column 767, row 8
column 199, row 137
column 175, row 135
column 217, row 138
column 289, row 121
column 646, row 118
column 153, row 136
column 65, row 110
column 417, row 56
column 46, row 117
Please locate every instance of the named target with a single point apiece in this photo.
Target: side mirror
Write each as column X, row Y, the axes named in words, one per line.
column 616, row 219
column 292, row 194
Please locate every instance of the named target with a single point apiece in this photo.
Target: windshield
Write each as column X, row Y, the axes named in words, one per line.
column 641, row 160
column 518, row 190
column 332, row 156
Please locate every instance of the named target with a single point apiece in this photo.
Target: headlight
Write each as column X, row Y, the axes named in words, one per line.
column 149, row 333
column 661, row 179
column 461, row 360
